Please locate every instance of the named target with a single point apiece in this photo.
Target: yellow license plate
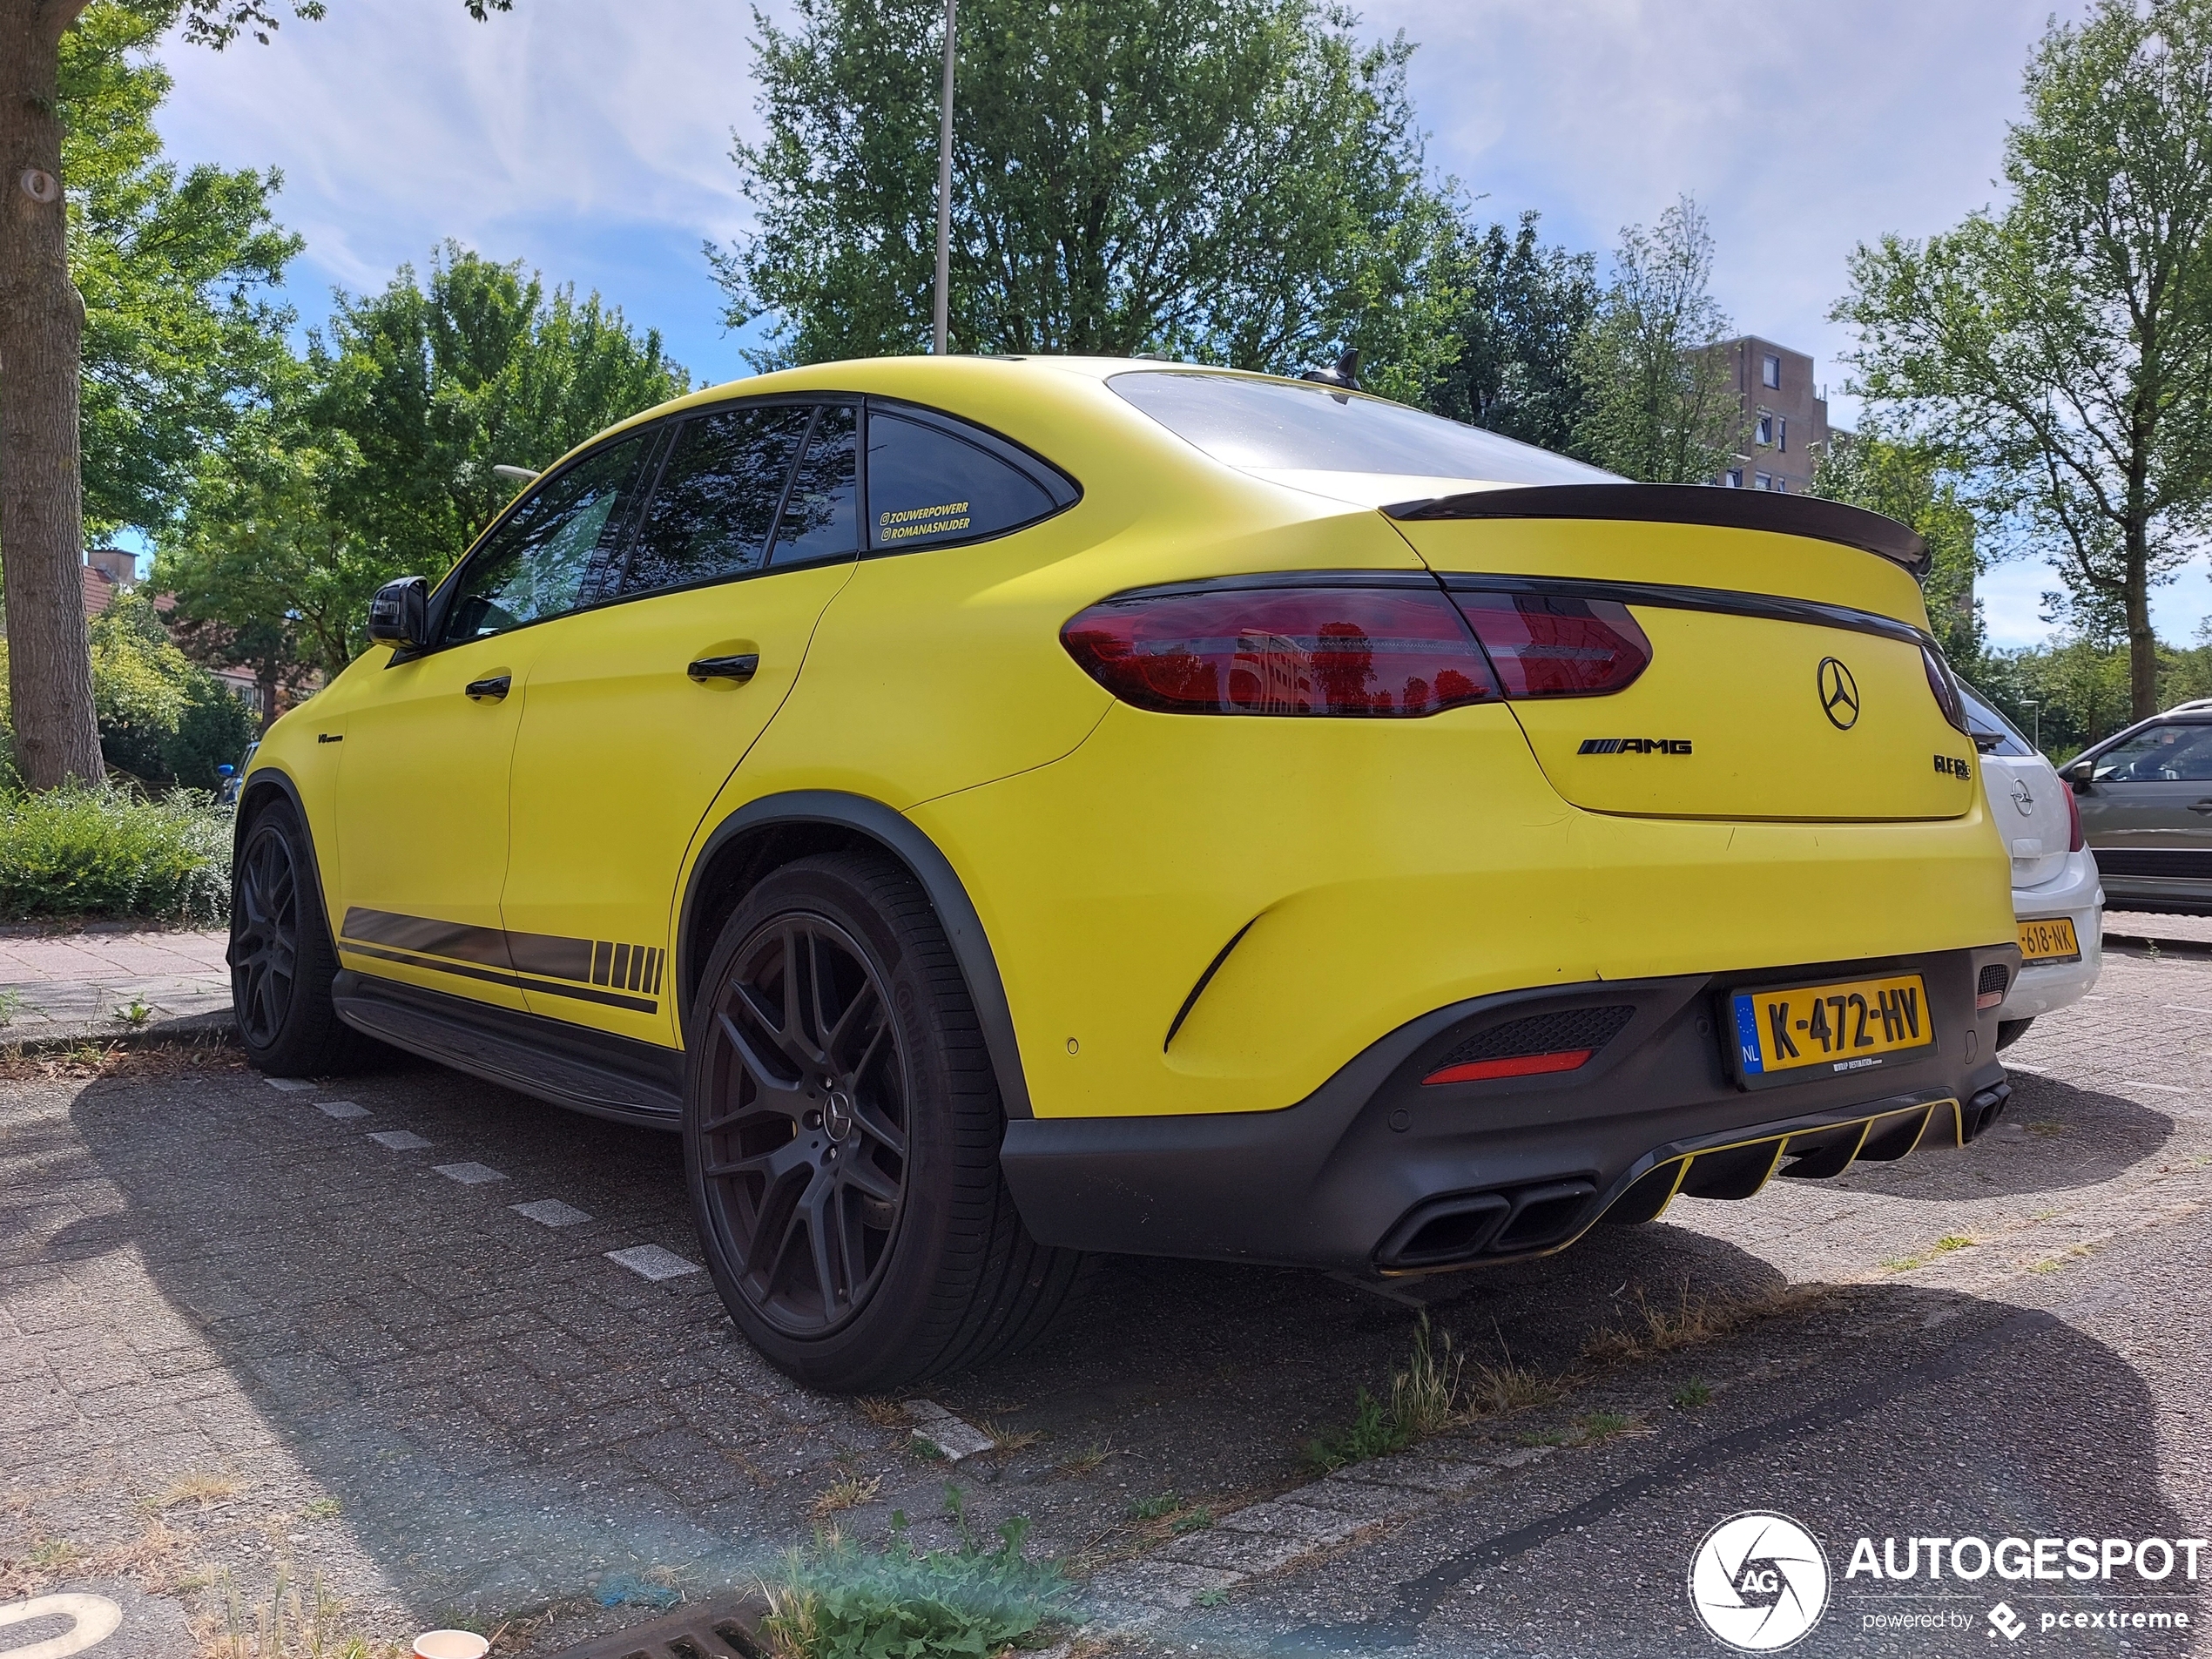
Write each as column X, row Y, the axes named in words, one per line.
column 2049, row 941
column 1829, row 1030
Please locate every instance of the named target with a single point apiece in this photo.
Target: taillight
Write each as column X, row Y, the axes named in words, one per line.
column 2074, row 840
column 1546, row 646
column 1357, row 652
column 1946, row 688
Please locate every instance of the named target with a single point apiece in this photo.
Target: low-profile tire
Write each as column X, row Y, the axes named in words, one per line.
column 282, row 957
column 841, row 1128
column 2010, row 1031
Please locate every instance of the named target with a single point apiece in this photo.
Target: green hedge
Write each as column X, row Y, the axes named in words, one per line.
column 102, row 852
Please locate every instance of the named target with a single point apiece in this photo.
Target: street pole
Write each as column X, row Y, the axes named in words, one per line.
column 945, row 189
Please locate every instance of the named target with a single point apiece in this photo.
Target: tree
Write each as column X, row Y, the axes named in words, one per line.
column 1915, row 485
column 1237, row 181
column 42, row 334
column 2064, row 343
column 1659, row 404
column 1520, row 312
column 418, row 392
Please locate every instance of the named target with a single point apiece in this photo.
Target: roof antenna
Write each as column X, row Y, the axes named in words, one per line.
column 1345, row 372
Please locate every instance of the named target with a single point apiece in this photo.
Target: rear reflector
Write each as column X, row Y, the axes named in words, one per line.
column 1372, row 652
column 1519, row 1065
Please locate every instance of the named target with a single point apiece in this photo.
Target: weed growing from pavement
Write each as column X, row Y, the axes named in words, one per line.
column 11, row 1004
column 209, row 1051
column 135, row 1013
column 835, row 1601
column 1085, row 1461
column 199, row 1486
column 1425, row 1397
column 1597, row 1428
column 1942, row 1246
column 286, row 1626
column 1008, row 1439
column 847, row 1494
column 1663, row 1327
column 1152, row 1508
column 1693, row 1394
column 884, row 1413
column 1372, row 1432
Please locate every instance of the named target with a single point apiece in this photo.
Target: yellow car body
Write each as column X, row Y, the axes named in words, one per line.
column 1182, row 931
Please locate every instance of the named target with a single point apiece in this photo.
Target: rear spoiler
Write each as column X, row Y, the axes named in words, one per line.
column 1735, row 509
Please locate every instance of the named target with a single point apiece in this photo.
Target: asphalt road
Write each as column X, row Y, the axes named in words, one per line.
column 240, row 1337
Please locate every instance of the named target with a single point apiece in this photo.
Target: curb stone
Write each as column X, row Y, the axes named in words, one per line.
column 1291, row 1530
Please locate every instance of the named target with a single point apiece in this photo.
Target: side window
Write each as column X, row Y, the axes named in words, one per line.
column 550, row 551
column 821, row 511
column 2163, row 754
column 928, row 487
column 714, row 510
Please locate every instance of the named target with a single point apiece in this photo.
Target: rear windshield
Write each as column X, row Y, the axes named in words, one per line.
column 1266, row 426
column 1993, row 734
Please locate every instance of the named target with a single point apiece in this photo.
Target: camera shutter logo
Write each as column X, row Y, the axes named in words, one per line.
column 1759, row 1581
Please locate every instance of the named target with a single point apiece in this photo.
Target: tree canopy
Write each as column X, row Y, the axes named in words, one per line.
column 2062, row 344
column 1239, row 180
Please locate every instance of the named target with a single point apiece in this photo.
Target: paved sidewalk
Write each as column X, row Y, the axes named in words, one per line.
column 60, row 985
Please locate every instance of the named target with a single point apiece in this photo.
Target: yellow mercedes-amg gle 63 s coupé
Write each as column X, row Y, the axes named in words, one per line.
column 1001, row 810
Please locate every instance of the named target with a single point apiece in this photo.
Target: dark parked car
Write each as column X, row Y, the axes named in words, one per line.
column 2145, row 801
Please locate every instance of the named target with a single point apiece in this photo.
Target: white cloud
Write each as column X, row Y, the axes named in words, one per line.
column 592, row 140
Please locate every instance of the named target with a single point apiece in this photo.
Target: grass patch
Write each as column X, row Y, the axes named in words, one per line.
column 199, row 1487
column 1435, row 1391
column 847, row 1494
column 835, row 1601
column 1942, row 1246
column 1373, row 1432
column 322, row 1510
column 1084, row 1462
column 1693, row 1394
column 286, row 1626
column 2044, row 1127
column 884, row 1413
column 1665, row 1327
column 1008, row 1439
column 1597, row 1428
column 97, row 851
column 1152, row 1508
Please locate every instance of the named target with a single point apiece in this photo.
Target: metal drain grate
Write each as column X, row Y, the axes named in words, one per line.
column 718, row 1631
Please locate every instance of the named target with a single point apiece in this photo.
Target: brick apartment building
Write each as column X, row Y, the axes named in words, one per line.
column 1785, row 418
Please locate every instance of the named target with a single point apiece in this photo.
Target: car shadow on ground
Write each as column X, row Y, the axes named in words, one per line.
column 507, row 1419
column 2052, row 1137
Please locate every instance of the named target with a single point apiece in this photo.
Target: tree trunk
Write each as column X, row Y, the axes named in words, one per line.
column 2142, row 644
column 267, row 682
column 41, row 325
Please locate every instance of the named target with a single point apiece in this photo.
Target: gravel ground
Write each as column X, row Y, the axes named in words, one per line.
column 241, row 1338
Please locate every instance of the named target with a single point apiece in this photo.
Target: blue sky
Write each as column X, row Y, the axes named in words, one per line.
column 591, row 141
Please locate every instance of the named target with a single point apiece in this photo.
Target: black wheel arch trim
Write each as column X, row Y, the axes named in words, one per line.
column 275, row 780
column 905, row 841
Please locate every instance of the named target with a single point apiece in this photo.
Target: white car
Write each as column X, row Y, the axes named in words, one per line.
column 2056, row 897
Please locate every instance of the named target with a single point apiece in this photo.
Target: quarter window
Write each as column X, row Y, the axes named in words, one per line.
column 819, row 519
column 927, row 486
column 552, row 551
column 714, row 511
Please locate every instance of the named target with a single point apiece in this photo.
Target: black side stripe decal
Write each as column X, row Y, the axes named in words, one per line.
column 546, row 963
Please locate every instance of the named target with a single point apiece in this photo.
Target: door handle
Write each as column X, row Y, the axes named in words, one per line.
column 2202, row 807
column 488, row 689
column 738, row 670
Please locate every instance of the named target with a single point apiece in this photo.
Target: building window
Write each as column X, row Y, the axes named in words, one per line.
column 1770, row 371
column 1763, row 431
column 1734, row 478
column 1781, row 485
column 1781, row 433
column 1761, row 480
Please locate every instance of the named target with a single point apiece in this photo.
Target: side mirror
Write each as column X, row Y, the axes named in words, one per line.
column 399, row 613
column 2080, row 774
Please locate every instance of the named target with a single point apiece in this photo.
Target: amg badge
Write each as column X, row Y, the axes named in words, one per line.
column 1633, row 746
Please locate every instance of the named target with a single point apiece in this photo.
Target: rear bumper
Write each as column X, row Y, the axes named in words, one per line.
column 1375, row 1170
column 2045, row 988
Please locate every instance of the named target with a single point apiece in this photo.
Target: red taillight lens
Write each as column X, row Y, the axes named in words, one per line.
column 1944, row 688
column 2075, row 840
column 1547, row 645
column 1361, row 651
column 1519, row 1065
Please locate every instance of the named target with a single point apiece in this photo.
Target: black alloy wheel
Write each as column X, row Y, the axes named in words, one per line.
column 841, row 1130
column 805, row 1148
column 265, row 935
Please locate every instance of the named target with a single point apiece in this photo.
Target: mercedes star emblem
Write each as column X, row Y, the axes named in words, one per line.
column 1838, row 693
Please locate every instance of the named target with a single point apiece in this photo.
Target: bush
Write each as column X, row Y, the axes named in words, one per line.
column 102, row 852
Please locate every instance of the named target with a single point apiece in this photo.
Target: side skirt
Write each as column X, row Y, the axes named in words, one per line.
column 584, row 1070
